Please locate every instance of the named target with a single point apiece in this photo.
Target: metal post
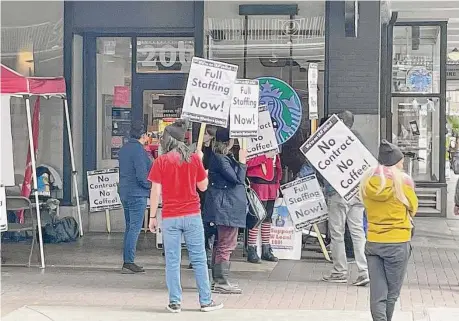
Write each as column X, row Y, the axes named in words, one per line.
column 72, row 158
column 246, row 31
column 35, row 185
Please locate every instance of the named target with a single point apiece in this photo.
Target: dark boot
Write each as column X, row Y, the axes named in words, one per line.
column 267, row 253
column 222, row 286
column 252, row 255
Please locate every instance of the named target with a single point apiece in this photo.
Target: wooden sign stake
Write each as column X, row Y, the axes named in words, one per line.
column 107, row 219
column 202, row 131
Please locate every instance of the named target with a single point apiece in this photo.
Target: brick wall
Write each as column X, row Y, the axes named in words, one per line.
column 353, row 67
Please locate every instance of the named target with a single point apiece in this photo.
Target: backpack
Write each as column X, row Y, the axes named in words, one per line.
column 61, row 230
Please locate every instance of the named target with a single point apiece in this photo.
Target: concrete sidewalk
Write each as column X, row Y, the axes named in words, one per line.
column 62, row 313
column 431, row 287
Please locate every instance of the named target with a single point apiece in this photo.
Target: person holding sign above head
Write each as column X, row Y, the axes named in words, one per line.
column 265, row 174
column 340, row 213
column 134, row 189
column 390, row 202
column 175, row 175
column 225, row 206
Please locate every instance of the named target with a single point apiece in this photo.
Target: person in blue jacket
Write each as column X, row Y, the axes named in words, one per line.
column 225, row 206
column 134, row 190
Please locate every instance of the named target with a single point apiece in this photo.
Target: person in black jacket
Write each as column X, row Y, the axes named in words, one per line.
column 210, row 230
column 225, row 206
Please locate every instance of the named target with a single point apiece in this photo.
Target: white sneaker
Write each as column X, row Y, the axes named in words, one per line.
column 212, row 306
column 362, row 280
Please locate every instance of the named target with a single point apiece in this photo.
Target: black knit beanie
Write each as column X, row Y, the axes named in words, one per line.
column 137, row 129
column 389, row 154
column 178, row 129
column 222, row 135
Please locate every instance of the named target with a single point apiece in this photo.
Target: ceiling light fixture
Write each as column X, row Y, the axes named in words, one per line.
column 454, row 54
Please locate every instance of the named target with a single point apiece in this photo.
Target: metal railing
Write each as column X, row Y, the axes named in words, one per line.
column 41, row 37
column 266, row 29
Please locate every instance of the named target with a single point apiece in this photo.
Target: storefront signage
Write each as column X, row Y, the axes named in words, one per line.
column 208, row 92
column 266, row 141
column 338, row 156
column 313, row 73
column 164, row 55
column 244, row 109
column 284, row 106
column 452, row 71
column 103, row 190
column 305, row 201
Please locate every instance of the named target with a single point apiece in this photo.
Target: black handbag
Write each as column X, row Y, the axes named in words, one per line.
column 256, row 211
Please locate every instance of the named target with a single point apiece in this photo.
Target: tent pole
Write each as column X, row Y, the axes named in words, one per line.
column 35, row 185
column 72, row 158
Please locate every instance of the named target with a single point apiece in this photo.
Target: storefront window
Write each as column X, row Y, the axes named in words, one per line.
column 416, row 59
column 113, row 97
column 164, row 55
column 277, row 50
column 416, row 130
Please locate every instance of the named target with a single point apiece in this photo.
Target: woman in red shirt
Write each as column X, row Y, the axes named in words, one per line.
column 176, row 174
column 265, row 174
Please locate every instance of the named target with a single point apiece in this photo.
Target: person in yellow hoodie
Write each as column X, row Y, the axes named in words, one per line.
column 390, row 201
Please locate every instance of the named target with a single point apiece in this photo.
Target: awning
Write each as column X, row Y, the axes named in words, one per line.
column 14, row 83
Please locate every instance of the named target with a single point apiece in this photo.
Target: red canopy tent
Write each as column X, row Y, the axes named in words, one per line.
column 14, row 84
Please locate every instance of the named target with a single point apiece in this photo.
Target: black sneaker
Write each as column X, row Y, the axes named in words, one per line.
column 132, row 268
column 174, row 308
column 212, row 306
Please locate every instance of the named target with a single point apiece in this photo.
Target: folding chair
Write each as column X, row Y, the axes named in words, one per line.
column 17, row 203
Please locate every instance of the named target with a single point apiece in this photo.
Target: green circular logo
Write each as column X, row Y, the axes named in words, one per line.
column 284, row 106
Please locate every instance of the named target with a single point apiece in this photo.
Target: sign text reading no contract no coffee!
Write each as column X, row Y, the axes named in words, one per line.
column 208, row 92
column 103, row 189
column 339, row 156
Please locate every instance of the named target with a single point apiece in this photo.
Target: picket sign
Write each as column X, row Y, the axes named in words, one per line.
column 305, row 202
column 338, row 155
column 313, row 73
column 315, row 227
column 103, row 192
column 244, row 109
column 266, row 141
column 285, row 240
column 208, row 92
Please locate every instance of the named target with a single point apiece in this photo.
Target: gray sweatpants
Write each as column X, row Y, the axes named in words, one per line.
column 341, row 212
column 387, row 263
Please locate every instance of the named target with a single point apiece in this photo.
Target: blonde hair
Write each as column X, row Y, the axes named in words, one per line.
column 393, row 173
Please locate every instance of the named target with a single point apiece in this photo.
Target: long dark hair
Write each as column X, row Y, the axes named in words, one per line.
column 169, row 144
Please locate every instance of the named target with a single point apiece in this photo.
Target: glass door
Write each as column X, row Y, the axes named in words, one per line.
column 418, row 98
column 114, row 77
column 160, row 108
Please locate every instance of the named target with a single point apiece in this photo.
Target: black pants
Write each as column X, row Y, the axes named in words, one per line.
column 269, row 206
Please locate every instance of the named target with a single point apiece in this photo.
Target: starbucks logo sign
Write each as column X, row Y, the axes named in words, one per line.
column 284, row 106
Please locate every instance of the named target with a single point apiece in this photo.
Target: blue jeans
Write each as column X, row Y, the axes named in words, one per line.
column 193, row 231
column 134, row 213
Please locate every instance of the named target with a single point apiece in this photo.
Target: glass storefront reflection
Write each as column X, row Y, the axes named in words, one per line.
column 416, row 59
column 416, row 129
column 276, row 49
